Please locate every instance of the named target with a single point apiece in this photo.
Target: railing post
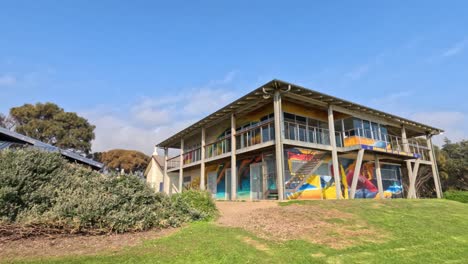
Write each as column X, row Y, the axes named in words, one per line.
column 181, row 162
column 336, row 171
column 202, row 159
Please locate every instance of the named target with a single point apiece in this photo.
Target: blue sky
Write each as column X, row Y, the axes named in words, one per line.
column 140, row 70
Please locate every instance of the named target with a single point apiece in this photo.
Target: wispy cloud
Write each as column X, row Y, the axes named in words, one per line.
column 454, row 123
column 358, row 72
column 455, row 48
column 150, row 120
column 7, row 80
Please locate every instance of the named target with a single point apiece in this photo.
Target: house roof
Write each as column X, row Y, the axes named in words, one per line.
column 11, row 136
column 255, row 98
column 159, row 161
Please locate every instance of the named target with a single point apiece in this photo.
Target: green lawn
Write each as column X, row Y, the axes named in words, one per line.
column 418, row 231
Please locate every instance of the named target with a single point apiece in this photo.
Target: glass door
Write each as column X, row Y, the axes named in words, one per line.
column 256, row 181
column 212, row 188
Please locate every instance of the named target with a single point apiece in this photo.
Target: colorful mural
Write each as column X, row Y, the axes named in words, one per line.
column 219, row 176
column 309, row 175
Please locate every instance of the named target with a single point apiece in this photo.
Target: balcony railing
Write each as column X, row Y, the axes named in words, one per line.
column 310, row 134
column 173, row 162
column 256, row 134
column 191, row 156
column 389, row 143
column 219, row 147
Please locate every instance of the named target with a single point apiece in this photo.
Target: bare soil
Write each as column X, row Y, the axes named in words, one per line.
column 56, row 245
column 312, row 223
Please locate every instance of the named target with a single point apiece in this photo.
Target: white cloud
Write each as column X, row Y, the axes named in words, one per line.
column 455, row 124
column 358, row 72
column 456, row 48
column 7, row 80
column 150, row 120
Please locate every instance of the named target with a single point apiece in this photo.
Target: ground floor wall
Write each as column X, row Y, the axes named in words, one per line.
column 308, row 174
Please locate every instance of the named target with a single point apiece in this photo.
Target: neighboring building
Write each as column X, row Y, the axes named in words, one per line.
column 289, row 142
column 13, row 140
column 154, row 172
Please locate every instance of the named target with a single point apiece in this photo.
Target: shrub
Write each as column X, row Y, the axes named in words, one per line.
column 459, row 196
column 198, row 204
column 39, row 188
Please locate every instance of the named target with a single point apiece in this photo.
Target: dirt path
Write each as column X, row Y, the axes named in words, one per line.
column 55, row 246
column 313, row 223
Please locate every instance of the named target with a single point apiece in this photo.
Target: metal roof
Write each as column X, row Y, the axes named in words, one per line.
column 16, row 137
column 256, row 98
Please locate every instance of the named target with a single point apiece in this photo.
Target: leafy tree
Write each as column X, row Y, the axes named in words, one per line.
column 128, row 160
column 452, row 161
column 51, row 124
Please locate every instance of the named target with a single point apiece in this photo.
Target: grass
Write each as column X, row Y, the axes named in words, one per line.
column 420, row 231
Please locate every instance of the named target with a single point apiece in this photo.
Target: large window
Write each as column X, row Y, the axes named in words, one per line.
column 364, row 128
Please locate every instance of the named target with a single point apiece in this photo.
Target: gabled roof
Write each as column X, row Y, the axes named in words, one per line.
column 11, row 136
column 256, row 98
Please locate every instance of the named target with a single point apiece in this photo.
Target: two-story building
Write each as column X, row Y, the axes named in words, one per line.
column 282, row 141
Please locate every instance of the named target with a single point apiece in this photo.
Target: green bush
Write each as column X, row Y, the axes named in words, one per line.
column 459, row 196
column 198, row 204
column 40, row 188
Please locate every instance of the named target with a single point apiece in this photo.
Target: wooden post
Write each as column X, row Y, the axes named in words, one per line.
column 233, row 159
column 336, row 171
column 357, row 171
column 379, row 176
column 435, row 172
column 181, row 169
column 202, row 160
column 414, row 173
column 279, row 145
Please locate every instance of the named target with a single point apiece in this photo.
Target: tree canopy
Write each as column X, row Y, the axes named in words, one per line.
column 128, row 160
column 51, row 124
column 452, row 161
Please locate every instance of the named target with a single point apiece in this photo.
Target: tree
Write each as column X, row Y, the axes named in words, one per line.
column 128, row 160
column 452, row 161
column 6, row 122
column 51, row 124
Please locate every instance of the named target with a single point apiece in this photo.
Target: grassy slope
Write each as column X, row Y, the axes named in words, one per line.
column 421, row 231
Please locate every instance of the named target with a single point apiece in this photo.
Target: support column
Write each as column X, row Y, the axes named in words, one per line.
column 181, row 169
column 202, row 160
column 357, row 171
column 379, row 176
column 279, row 155
column 414, row 173
column 408, row 163
column 233, row 158
column 336, row 171
column 435, row 172
column 166, row 181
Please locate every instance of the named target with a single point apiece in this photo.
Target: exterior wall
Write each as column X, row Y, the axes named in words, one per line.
column 303, row 184
column 310, row 112
column 155, row 176
column 218, row 177
column 194, row 174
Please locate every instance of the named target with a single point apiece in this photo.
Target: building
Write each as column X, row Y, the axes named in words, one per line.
column 154, row 173
column 289, row 142
column 13, row 140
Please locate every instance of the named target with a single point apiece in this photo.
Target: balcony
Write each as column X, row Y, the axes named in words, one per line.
column 219, row 147
column 385, row 142
column 261, row 132
column 310, row 134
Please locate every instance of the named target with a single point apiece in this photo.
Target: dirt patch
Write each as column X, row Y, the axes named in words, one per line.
column 313, row 223
column 256, row 244
column 66, row 245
